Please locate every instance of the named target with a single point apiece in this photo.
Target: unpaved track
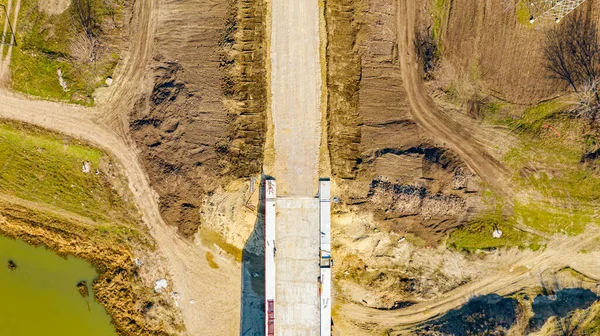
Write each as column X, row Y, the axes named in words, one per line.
column 215, row 291
column 436, row 122
column 117, row 101
column 523, row 273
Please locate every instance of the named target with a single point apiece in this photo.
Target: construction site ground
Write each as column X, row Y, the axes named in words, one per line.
column 296, row 88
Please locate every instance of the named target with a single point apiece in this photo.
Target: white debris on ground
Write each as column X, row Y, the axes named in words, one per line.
column 192, row 301
column 109, row 81
column 160, row 285
column 176, row 296
column 497, row 233
column 86, row 167
column 61, row 80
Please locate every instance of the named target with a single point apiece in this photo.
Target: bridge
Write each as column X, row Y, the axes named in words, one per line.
column 297, row 263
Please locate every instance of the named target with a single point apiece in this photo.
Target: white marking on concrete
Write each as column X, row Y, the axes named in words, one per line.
column 325, row 256
column 270, row 251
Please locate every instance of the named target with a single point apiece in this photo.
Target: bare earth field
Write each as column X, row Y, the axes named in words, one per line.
column 211, row 93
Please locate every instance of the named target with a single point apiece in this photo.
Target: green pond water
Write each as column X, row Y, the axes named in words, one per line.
column 40, row 297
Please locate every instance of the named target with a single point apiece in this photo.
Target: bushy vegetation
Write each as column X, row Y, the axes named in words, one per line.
column 427, row 51
column 82, row 42
column 571, row 52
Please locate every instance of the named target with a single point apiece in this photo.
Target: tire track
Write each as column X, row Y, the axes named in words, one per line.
column 435, row 121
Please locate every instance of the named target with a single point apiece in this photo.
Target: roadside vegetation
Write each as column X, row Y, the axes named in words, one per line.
column 555, row 161
column 47, row 168
column 70, row 197
column 67, row 56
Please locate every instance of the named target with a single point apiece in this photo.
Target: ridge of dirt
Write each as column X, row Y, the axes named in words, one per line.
column 245, row 88
column 191, row 138
column 343, row 78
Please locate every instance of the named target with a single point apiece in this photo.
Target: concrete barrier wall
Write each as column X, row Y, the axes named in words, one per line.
column 270, row 250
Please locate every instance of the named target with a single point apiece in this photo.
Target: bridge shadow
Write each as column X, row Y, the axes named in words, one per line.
column 252, row 313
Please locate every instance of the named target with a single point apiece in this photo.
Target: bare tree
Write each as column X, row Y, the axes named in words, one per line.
column 571, row 52
column 83, row 13
column 427, row 51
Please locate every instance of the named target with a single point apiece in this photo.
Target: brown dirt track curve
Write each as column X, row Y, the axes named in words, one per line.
column 436, row 122
column 216, row 291
column 524, row 271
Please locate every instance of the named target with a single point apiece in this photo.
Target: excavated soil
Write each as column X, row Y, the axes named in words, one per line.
column 204, row 121
column 395, row 182
column 372, row 135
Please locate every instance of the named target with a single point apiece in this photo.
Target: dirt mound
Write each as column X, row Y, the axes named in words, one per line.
column 203, row 123
column 384, row 162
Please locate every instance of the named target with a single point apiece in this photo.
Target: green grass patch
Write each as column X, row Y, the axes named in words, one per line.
column 439, row 12
column 44, row 167
column 548, row 163
column 477, row 235
column 523, row 14
column 564, row 192
column 48, row 43
column 552, row 219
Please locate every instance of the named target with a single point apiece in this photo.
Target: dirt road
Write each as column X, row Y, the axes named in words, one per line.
column 117, row 101
column 523, row 272
column 436, row 122
column 215, row 291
